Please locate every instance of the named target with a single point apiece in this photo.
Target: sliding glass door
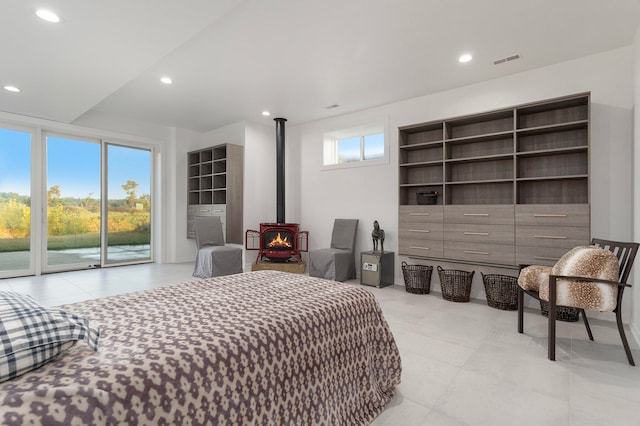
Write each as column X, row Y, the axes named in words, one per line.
column 73, row 203
column 128, row 209
column 69, row 202
column 15, row 202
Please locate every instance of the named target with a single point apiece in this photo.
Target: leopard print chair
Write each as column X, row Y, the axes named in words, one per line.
column 587, row 278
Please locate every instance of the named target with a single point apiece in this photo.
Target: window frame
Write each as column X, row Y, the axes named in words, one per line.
column 330, row 143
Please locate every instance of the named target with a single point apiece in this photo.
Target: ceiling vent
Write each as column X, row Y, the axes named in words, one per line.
column 507, row 59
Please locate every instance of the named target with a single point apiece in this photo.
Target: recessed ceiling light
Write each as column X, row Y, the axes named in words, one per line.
column 11, row 89
column 465, row 58
column 47, row 15
column 166, row 80
column 266, row 113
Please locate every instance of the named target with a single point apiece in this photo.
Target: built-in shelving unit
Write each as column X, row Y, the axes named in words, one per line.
column 215, row 186
column 533, row 154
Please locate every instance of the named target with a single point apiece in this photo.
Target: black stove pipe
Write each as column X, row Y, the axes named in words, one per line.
column 280, row 168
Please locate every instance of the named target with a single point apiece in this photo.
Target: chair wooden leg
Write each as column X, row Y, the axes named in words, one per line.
column 623, row 336
column 520, row 310
column 552, row 318
column 586, row 324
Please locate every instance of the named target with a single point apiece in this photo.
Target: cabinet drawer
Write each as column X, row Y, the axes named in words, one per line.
column 481, row 214
column 552, row 236
column 218, row 209
column 546, row 256
column 477, row 233
column 206, row 209
column 553, row 214
column 413, row 214
column 421, row 231
column 501, row 254
column 425, row 248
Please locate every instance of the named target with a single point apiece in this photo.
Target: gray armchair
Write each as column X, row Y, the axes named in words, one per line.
column 338, row 262
column 214, row 258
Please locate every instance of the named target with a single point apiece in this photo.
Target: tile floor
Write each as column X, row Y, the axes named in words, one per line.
column 463, row 363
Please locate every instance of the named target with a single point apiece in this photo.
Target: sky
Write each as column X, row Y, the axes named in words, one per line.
column 373, row 146
column 73, row 165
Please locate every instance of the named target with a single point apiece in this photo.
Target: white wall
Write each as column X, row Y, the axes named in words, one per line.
column 186, row 141
column 100, row 120
column 260, row 177
column 635, row 319
column 179, row 248
column 371, row 193
column 364, row 193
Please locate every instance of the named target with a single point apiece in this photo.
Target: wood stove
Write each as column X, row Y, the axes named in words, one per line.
column 280, row 241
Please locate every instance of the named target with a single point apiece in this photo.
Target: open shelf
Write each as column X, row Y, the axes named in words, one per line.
column 490, row 192
column 571, row 189
column 483, row 166
column 479, row 148
column 409, row 193
column 215, row 177
column 544, row 140
column 565, row 111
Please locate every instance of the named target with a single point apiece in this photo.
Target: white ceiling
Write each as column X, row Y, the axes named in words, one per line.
column 232, row 59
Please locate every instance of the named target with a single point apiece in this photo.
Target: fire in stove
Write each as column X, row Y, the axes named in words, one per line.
column 280, row 242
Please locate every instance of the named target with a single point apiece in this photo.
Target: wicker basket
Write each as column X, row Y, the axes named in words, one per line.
column 501, row 291
column 455, row 285
column 563, row 313
column 417, row 278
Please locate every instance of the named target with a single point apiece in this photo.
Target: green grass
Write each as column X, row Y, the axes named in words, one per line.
column 78, row 241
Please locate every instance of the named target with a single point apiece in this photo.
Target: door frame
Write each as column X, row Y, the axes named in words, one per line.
column 104, row 208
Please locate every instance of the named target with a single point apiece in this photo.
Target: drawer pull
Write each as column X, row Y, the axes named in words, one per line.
column 419, row 248
column 549, row 215
column 477, row 233
column 550, row 237
column 203, row 210
column 419, row 214
column 555, row 259
column 419, row 230
column 477, row 214
column 217, row 211
column 476, row 252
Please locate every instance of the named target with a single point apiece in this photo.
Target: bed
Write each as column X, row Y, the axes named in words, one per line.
column 260, row 348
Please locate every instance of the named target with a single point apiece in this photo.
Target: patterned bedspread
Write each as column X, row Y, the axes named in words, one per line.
column 256, row 348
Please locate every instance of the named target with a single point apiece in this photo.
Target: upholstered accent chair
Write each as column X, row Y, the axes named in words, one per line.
column 587, row 278
column 338, row 262
column 214, row 258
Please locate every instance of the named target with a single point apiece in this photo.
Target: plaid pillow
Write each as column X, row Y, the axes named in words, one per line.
column 32, row 335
